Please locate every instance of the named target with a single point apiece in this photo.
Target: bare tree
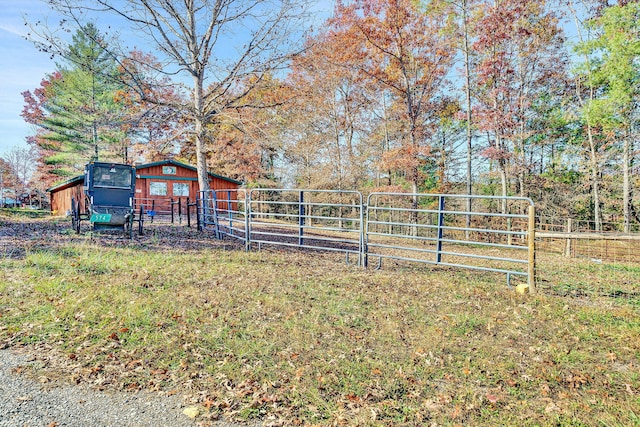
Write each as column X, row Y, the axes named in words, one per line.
column 207, row 47
column 22, row 165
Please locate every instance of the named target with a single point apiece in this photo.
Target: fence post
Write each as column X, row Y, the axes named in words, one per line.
column 188, row 213
column 301, row 219
column 247, row 220
column 361, row 231
column 229, row 212
column 199, row 211
column 440, row 225
column 532, row 250
column 568, row 241
column 171, row 205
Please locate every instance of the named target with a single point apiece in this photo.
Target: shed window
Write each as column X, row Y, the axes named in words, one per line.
column 180, row 189
column 158, row 188
column 168, row 170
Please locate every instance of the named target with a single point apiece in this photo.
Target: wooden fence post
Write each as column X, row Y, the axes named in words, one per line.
column 532, row 250
column 568, row 242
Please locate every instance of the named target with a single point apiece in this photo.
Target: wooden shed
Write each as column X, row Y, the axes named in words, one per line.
column 158, row 184
column 62, row 193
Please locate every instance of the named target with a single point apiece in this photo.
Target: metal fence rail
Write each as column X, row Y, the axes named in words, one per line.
column 316, row 219
column 426, row 228
column 224, row 212
column 438, row 229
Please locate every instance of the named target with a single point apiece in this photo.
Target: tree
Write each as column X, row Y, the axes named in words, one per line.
column 615, row 68
column 21, row 164
column 328, row 117
column 75, row 108
column 213, row 43
column 153, row 130
column 405, row 51
column 520, row 58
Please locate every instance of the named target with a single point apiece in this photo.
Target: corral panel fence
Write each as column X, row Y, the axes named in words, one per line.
column 330, row 220
column 225, row 212
column 496, row 235
column 440, row 229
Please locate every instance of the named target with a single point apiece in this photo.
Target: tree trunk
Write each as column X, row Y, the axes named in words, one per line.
column 200, row 132
column 467, row 72
column 595, row 180
column 626, row 185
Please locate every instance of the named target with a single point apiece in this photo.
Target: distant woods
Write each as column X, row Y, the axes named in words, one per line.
column 517, row 97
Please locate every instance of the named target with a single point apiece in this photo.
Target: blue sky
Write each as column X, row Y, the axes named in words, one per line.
column 22, row 68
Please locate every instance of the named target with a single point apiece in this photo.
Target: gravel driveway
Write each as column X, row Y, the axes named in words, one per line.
column 25, row 402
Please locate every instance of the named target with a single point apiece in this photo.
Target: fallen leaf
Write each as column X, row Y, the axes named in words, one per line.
column 191, row 412
column 551, row 407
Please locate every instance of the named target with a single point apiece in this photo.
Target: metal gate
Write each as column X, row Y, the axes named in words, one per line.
column 225, row 213
column 440, row 229
column 495, row 235
column 316, row 219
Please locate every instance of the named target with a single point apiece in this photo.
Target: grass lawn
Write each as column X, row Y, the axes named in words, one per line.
column 298, row 338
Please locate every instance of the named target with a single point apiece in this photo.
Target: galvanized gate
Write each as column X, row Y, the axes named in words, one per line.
column 495, row 235
column 440, row 229
column 316, row 219
column 225, row 212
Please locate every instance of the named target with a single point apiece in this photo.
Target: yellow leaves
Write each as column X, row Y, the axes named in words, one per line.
column 191, row 412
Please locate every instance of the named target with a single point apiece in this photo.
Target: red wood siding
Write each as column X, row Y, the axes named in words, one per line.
column 142, row 183
column 61, row 199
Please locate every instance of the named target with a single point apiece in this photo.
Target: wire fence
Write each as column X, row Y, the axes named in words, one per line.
column 575, row 260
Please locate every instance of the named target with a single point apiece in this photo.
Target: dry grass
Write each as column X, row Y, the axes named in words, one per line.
column 300, row 338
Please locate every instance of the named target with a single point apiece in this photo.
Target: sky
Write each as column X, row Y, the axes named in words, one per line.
column 22, row 68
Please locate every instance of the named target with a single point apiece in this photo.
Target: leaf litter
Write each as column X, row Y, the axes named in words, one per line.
column 296, row 338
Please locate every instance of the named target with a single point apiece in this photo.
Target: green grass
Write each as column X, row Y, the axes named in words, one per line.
column 25, row 213
column 307, row 340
